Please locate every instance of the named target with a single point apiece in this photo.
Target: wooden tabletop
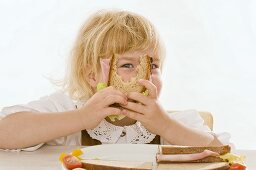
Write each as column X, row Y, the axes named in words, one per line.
column 46, row 158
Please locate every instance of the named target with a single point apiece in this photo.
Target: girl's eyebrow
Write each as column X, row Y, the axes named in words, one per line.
column 135, row 58
column 132, row 58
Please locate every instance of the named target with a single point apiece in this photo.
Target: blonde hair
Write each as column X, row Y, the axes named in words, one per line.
column 106, row 33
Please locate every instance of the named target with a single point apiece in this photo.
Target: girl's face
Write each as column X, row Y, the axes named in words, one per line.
column 128, row 62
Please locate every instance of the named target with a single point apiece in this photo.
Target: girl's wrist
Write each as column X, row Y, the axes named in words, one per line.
column 170, row 131
column 166, row 129
column 80, row 116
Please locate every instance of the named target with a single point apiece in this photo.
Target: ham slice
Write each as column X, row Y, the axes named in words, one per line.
column 105, row 68
column 185, row 157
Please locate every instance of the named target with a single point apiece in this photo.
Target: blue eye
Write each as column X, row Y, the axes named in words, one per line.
column 127, row 66
column 154, row 66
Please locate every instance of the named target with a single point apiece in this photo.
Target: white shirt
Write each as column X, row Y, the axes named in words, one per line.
column 105, row 132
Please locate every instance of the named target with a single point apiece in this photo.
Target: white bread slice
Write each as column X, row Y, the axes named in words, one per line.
column 115, row 165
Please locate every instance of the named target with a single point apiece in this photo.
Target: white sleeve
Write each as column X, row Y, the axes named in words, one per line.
column 57, row 102
column 192, row 119
column 28, row 149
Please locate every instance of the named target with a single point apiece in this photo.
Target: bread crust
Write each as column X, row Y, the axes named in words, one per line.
column 165, row 149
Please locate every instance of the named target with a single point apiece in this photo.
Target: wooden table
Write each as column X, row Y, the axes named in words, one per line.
column 46, row 158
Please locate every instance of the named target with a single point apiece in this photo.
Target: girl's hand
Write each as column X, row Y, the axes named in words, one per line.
column 148, row 111
column 98, row 107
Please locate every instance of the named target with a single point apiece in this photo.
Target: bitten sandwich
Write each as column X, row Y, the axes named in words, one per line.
column 143, row 72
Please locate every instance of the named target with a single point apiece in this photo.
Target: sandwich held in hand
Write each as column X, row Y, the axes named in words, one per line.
column 110, row 77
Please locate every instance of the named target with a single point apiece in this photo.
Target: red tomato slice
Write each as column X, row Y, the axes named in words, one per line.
column 237, row 166
column 71, row 162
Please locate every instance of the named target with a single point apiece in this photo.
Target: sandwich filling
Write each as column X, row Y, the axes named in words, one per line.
column 185, row 157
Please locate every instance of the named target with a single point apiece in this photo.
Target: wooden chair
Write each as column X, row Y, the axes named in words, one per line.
column 207, row 116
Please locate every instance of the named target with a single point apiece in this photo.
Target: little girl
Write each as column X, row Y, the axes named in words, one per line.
column 79, row 114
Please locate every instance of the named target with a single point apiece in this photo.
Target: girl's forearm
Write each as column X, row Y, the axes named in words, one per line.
column 24, row 129
column 179, row 134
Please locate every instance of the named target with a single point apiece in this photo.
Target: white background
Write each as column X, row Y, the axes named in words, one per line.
column 210, row 61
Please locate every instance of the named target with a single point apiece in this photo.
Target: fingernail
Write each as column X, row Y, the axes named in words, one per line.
column 127, row 96
column 124, row 103
column 124, row 111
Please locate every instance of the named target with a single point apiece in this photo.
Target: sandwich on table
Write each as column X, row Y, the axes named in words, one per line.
column 167, row 157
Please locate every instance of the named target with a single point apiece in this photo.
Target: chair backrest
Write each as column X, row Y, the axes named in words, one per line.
column 207, row 116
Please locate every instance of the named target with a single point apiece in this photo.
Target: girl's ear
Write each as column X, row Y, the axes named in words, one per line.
column 91, row 78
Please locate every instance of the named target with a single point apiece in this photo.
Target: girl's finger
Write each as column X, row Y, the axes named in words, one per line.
column 111, row 90
column 150, row 86
column 112, row 111
column 111, row 99
column 137, row 107
column 133, row 115
column 156, row 80
column 139, row 98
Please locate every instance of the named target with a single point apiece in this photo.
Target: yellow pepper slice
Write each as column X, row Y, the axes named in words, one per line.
column 62, row 155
